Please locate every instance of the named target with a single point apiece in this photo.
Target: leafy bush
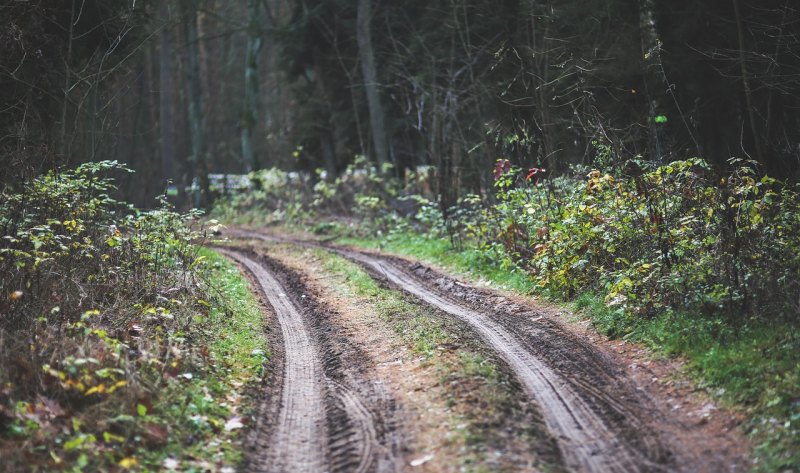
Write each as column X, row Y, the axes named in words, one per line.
column 671, row 237
column 362, row 191
column 101, row 305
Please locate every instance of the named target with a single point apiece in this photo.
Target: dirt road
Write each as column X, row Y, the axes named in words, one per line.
column 323, row 422
column 600, row 417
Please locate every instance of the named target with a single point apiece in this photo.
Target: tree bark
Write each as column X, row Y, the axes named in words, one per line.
column 368, row 69
column 196, row 112
column 166, row 98
column 748, row 95
column 651, row 46
column 251, row 82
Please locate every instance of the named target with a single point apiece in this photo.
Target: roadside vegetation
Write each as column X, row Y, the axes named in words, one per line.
column 123, row 346
column 690, row 261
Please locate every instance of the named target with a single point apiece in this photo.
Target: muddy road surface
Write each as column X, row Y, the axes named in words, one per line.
column 325, row 418
column 601, row 418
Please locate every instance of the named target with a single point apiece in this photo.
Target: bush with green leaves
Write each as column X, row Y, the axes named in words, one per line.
column 362, row 191
column 100, row 306
column 666, row 237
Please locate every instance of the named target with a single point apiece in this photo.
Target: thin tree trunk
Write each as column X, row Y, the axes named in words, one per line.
column 748, row 95
column 251, row 81
column 651, row 46
column 368, row 69
column 166, row 97
column 195, row 99
column 63, row 147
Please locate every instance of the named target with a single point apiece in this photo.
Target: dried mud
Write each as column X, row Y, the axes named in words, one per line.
column 652, row 434
column 446, row 412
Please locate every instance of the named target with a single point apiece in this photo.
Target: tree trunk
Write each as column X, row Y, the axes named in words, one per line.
column 166, row 99
column 251, row 81
column 367, row 56
column 63, row 146
column 748, row 95
column 651, row 46
column 194, row 100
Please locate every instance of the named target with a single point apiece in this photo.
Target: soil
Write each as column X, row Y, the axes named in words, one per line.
column 608, row 406
column 439, row 405
column 330, row 415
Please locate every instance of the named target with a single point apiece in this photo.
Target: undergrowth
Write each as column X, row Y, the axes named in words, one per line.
column 110, row 317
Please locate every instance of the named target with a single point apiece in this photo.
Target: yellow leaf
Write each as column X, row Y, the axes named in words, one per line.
column 128, row 463
column 100, row 388
column 116, row 386
column 108, row 437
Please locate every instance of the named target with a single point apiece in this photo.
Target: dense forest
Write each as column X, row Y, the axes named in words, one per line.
column 168, row 163
column 181, row 89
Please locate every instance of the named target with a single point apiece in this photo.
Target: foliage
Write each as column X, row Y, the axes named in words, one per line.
column 273, row 194
column 362, row 192
column 666, row 238
column 104, row 331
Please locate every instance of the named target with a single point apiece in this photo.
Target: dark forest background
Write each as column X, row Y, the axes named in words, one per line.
column 180, row 89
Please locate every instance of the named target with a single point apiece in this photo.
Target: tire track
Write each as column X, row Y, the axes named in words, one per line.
column 299, row 440
column 575, row 416
column 603, row 418
column 586, row 443
column 331, row 417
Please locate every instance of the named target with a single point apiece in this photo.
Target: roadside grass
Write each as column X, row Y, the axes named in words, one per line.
column 755, row 368
column 241, row 339
column 477, row 391
column 208, row 409
column 470, row 262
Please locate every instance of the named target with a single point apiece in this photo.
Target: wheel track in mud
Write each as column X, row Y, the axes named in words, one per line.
column 596, row 432
column 329, row 419
column 585, row 440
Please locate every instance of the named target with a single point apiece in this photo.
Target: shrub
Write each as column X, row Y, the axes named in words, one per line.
column 100, row 306
column 670, row 237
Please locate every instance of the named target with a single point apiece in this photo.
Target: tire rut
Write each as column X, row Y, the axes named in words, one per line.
column 586, row 443
column 330, row 419
column 602, row 421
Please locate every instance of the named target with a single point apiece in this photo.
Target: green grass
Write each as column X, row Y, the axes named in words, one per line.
column 418, row 329
column 470, row 262
column 198, row 405
column 755, row 368
column 240, row 322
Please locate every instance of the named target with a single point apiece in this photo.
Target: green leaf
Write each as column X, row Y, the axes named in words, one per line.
column 141, row 409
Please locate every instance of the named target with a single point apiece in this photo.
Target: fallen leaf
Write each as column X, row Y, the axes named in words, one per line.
column 156, row 434
column 53, row 407
column 234, row 423
column 422, row 460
